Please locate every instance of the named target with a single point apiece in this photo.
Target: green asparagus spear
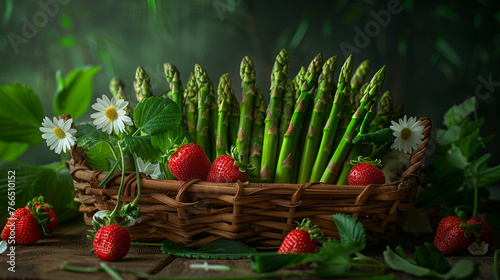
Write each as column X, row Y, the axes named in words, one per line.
column 369, row 97
column 287, row 111
column 330, row 128
column 213, row 119
column 202, row 127
column 224, row 109
column 332, row 87
column 247, row 74
column 356, row 83
column 284, row 168
column 313, row 136
column 191, row 106
column 271, row 138
column 142, row 84
column 382, row 119
column 356, row 149
column 234, row 120
column 257, row 134
column 296, row 82
column 173, row 78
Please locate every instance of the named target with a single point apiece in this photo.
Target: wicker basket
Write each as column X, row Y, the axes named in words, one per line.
column 260, row 214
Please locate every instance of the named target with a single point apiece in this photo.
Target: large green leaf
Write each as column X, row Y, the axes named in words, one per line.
column 88, row 136
column 143, row 148
column 12, row 150
column 479, row 174
column 456, row 158
column 74, row 93
column 457, row 114
column 52, row 181
column 21, row 115
column 156, row 115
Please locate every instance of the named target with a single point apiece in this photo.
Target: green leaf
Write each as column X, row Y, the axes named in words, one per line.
column 470, row 145
column 101, row 156
column 457, row 114
column 268, row 262
column 74, row 93
column 12, row 150
column 333, row 259
column 21, row 115
column 446, row 137
column 463, row 269
column 456, row 158
column 53, row 181
column 398, row 263
column 478, row 173
column 156, row 115
column 377, row 138
column 88, row 136
column 351, row 231
column 447, row 50
column 430, row 257
column 220, row 249
column 142, row 147
column 167, row 140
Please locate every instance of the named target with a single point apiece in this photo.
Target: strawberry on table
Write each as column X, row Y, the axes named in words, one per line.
column 189, row 162
column 301, row 240
column 39, row 202
column 111, row 243
column 485, row 233
column 228, row 169
column 365, row 172
column 23, row 226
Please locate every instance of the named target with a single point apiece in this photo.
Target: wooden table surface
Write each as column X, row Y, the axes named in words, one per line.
column 69, row 246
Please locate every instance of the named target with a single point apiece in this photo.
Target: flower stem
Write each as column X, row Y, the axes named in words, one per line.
column 110, row 271
column 146, row 244
column 115, row 211
column 138, row 179
column 476, row 197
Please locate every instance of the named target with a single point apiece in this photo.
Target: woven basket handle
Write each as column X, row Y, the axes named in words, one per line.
column 417, row 157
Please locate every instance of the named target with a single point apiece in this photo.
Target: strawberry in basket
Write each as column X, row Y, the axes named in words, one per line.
column 366, row 172
column 228, row 169
column 189, row 162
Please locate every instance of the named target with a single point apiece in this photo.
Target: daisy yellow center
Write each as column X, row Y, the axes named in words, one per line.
column 59, row 133
column 405, row 133
column 111, row 113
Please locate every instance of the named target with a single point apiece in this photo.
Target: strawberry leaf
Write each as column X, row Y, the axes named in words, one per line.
column 220, row 249
column 429, row 256
column 351, row 231
column 142, row 147
column 155, row 115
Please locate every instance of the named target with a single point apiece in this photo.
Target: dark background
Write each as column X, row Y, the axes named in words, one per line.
column 437, row 53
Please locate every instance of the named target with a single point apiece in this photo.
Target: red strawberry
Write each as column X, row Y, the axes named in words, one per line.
column 485, row 233
column 22, row 227
column 227, row 169
column 189, row 162
column 450, row 234
column 365, row 174
column 301, row 240
column 111, row 243
column 46, row 208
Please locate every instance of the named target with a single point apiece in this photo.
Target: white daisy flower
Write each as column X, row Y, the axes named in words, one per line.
column 409, row 134
column 150, row 169
column 110, row 115
column 58, row 134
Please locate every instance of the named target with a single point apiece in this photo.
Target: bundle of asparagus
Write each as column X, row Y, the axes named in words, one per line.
column 305, row 132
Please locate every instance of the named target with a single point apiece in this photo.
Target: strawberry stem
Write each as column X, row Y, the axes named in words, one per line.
column 114, row 213
column 495, row 264
column 110, row 271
